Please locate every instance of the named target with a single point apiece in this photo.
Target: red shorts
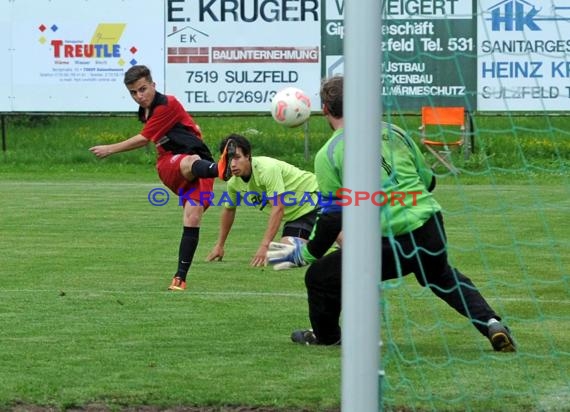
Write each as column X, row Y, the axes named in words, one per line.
column 199, row 190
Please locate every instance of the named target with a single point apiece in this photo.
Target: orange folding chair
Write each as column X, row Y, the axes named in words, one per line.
column 442, row 149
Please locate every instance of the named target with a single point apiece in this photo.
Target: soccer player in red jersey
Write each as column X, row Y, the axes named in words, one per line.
column 184, row 163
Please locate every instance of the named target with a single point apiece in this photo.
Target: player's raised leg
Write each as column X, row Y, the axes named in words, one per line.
column 193, row 166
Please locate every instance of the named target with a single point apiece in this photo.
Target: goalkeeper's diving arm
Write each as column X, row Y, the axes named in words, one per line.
column 325, row 233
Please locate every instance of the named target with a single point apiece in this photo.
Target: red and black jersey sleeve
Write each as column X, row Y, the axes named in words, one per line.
column 173, row 130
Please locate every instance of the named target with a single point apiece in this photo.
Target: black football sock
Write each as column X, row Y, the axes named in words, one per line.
column 188, row 245
column 204, row 168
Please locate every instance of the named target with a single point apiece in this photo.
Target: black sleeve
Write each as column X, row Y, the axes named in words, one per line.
column 432, row 184
column 327, row 229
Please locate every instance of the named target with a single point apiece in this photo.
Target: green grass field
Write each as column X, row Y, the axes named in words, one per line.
column 86, row 318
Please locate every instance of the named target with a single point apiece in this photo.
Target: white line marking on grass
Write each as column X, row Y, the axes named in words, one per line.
column 237, row 294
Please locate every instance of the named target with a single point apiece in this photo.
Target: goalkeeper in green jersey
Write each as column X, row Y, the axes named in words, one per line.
column 413, row 235
column 287, row 194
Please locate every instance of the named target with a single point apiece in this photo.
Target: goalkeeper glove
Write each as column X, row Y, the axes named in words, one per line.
column 286, row 256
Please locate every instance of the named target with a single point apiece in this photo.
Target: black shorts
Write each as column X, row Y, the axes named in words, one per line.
column 301, row 227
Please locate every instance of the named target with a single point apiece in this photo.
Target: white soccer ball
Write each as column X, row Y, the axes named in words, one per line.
column 291, row 107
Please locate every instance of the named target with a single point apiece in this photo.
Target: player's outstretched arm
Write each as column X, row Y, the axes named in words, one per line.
column 273, row 223
column 132, row 143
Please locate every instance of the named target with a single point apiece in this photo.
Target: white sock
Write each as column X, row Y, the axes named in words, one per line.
column 491, row 321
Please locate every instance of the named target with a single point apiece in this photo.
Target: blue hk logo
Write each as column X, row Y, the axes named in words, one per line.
column 512, row 15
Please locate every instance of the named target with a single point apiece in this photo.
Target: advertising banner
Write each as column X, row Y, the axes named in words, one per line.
column 429, row 52
column 71, row 56
column 234, row 56
column 523, row 55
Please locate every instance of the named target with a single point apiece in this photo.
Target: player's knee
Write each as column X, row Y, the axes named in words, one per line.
column 189, row 160
column 186, row 166
column 193, row 216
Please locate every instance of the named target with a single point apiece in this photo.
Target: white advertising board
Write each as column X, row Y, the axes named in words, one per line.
column 71, row 56
column 524, row 55
column 234, row 56
column 6, row 57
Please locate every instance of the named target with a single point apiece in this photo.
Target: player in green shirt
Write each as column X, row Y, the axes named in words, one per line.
column 287, row 193
column 413, row 235
column 410, row 181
